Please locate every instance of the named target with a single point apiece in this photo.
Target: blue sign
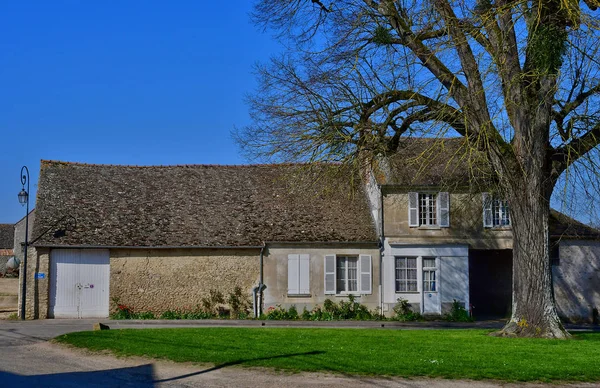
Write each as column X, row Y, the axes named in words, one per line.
column 40, row 275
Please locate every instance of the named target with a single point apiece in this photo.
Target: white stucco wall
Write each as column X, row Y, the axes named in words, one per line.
column 577, row 279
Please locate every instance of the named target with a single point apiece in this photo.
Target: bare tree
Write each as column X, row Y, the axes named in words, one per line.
column 519, row 80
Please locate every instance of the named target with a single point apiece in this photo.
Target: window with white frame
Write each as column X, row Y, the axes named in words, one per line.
column 348, row 274
column 406, row 274
column 495, row 212
column 429, row 274
column 428, row 209
column 298, row 274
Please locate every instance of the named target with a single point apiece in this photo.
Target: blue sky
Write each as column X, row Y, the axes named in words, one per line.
column 122, row 82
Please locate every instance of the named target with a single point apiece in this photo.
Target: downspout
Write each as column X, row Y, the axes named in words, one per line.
column 381, row 252
column 257, row 292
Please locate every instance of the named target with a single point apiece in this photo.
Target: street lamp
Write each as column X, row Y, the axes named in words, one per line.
column 24, row 200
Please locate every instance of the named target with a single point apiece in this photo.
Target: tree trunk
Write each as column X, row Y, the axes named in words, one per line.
column 533, row 310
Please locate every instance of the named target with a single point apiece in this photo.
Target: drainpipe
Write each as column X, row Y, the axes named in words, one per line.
column 257, row 292
column 381, row 253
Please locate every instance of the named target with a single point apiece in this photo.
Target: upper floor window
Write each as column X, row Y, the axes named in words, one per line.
column 495, row 212
column 429, row 209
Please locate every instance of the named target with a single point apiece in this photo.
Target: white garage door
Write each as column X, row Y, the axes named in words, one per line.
column 79, row 281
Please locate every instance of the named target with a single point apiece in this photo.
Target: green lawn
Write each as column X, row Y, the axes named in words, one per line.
column 465, row 354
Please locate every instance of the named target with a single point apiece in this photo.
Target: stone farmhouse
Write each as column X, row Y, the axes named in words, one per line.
column 161, row 238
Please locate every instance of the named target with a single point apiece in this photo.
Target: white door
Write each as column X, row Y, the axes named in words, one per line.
column 430, row 285
column 79, row 283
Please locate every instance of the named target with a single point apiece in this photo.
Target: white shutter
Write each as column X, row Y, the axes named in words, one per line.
column 365, row 274
column 293, row 274
column 330, row 274
column 488, row 220
column 444, row 209
column 304, row 287
column 413, row 209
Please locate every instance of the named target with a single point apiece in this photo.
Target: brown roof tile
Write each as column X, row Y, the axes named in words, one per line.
column 7, row 236
column 433, row 162
column 198, row 205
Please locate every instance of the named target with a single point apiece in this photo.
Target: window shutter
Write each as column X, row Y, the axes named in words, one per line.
column 413, row 209
column 293, row 274
column 330, row 274
column 365, row 274
column 304, row 287
column 444, row 209
column 488, row 221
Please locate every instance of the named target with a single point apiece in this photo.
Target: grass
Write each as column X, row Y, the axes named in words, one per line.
column 453, row 354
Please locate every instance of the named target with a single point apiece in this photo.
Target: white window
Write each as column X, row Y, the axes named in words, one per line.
column 429, row 209
column 348, row 274
column 298, row 274
column 406, row 274
column 429, row 275
column 495, row 212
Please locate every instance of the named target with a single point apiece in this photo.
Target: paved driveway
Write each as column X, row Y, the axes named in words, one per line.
column 27, row 359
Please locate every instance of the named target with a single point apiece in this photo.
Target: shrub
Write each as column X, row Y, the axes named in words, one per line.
column 122, row 311
column 458, row 313
column 276, row 313
column 403, row 311
column 331, row 311
column 238, row 303
column 305, row 314
column 145, row 315
column 292, row 313
column 170, row 314
column 210, row 303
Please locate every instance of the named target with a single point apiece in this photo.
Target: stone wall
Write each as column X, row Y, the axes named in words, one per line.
column 577, row 280
column 36, row 301
column 20, row 235
column 157, row 280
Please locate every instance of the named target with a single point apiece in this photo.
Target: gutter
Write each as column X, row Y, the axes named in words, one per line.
column 149, row 247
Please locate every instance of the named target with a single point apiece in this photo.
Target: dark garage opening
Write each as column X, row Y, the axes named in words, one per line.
column 490, row 283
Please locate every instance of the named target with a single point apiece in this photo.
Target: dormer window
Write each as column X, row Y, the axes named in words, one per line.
column 495, row 212
column 428, row 209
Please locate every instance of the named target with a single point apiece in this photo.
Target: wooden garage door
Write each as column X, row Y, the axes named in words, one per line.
column 79, row 280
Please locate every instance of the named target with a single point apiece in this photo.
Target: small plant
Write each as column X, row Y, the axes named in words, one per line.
column 238, row 303
column 210, row 303
column 122, row 310
column 171, row 314
column 292, row 313
column 458, row 313
column 403, row 311
column 305, row 315
column 145, row 315
column 13, row 317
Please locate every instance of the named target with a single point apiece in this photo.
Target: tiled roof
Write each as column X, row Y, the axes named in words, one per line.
column 7, row 236
column 563, row 226
column 198, row 205
column 433, row 162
